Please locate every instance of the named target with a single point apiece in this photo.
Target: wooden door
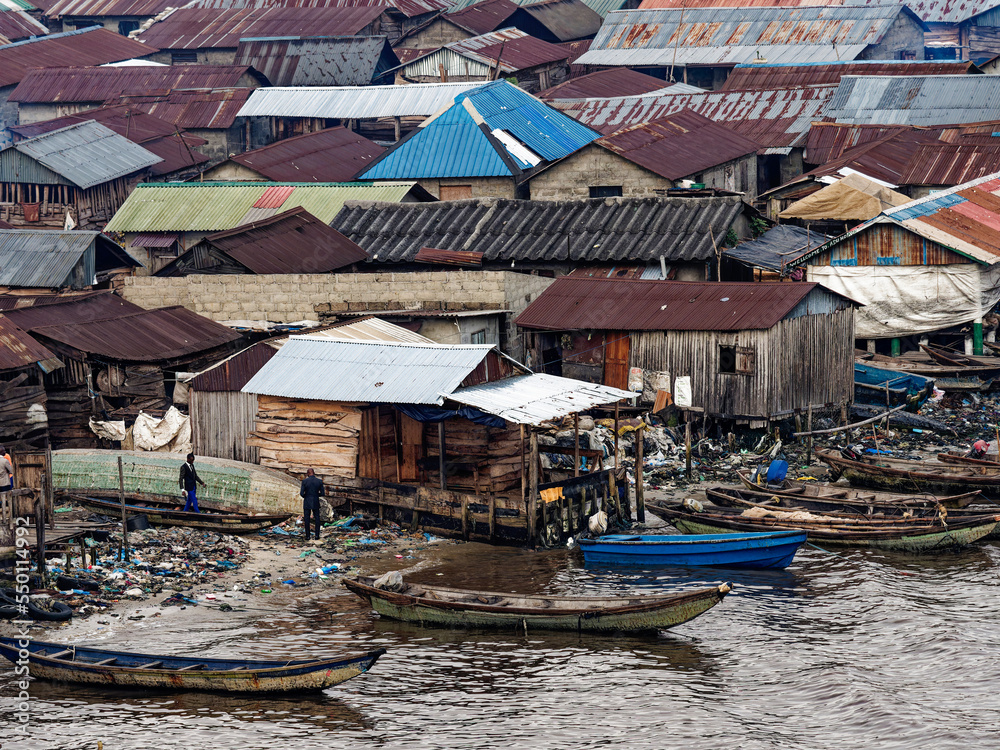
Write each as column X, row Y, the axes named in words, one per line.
column 616, row 360
column 411, row 433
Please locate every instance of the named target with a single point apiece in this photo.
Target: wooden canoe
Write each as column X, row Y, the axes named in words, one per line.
column 169, row 512
column 769, row 549
column 83, row 664
column 901, row 475
column 839, row 496
column 958, row 458
column 433, row 605
column 919, row 537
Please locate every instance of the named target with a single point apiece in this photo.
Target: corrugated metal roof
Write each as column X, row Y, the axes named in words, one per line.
column 16, row 25
column 177, row 149
column 524, row 232
column 560, row 20
column 45, row 258
column 192, row 108
column 611, row 82
column 18, row 349
column 580, row 303
column 482, row 16
column 213, row 207
column 235, row 371
column 332, row 155
column 319, row 61
column 408, row 8
column 516, row 50
column 929, row 11
column 455, row 145
column 782, row 76
column 291, row 242
column 537, row 398
column 965, row 219
column 775, row 119
column 64, row 309
column 100, row 84
column 362, row 372
column 727, row 36
column 776, row 247
column 145, row 336
column 93, row 8
column 679, row 145
column 951, row 164
column 87, row 153
column 354, row 102
column 915, row 100
column 211, row 28
column 91, row 46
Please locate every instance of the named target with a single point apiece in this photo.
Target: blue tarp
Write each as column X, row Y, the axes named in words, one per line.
column 423, row 413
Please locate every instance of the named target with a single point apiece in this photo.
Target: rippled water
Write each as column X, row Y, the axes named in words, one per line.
column 855, row 650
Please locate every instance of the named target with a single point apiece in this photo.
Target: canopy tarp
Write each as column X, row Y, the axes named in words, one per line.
column 853, row 198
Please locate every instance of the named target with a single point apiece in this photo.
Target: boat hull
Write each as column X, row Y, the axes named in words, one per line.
column 222, row 523
column 228, row 676
column 947, row 479
column 650, row 614
column 746, row 550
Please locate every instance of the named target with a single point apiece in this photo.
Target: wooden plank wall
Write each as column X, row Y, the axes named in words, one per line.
column 23, row 419
column 799, row 362
column 497, row 448
column 221, row 421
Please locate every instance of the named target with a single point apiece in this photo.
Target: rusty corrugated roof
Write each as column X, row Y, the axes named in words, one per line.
column 610, row 82
column 69, row 308
column 679, row 145
column 212, row 28
column 18, row 349
column 560, row 20
column 320, row 61
column 92, row 8
column 780, row 76
column 16, row 25
column 578, row 303
column 929, row 11
column 408, row 8
column 516, row 49
column 480, row 18
column 100, row 84
column 331, row 155
column 235, row 372
column 91, row 46
column 191, row 108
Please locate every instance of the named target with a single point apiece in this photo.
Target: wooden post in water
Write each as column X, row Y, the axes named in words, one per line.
column 616, row 440
column 576, row 444
column 640, row 484
column 40, row 533
column 121, row 497
column 687, row 445
column 533, row 487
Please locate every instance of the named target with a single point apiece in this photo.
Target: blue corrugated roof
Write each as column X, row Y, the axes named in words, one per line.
column 453, row 144
column 928, row 207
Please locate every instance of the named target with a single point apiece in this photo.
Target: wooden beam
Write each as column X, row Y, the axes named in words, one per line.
column 640, row 488
column 533, row 481
column 851, row 426
column 576, row 444
column 441, row 455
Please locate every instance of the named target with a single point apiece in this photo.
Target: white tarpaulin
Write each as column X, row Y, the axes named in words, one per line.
column 108, row 430
column 911, row 300
column 171, row 434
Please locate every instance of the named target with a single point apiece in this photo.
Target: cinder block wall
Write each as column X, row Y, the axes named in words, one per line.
column 593, row 166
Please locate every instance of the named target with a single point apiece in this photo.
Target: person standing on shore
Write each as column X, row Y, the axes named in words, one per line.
column 310, row 492
column 6, row 471
column 189, row 480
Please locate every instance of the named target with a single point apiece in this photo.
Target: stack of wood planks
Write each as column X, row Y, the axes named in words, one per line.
column 294, row 435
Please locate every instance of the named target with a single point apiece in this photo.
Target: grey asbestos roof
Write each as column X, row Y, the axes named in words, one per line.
column 506, row 231
column 87, row 153
column 915, row 100
column 366, row 372
column 353, row 102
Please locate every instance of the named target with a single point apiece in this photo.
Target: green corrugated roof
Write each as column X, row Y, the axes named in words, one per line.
column 204, row 207
column 16, row 5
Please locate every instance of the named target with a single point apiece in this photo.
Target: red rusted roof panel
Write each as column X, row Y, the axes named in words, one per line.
column 611, row 82
column 235, row 372
column 332, row 155
column 274, row 197
column 17, row 348
column 753, row 77
column 191, row 108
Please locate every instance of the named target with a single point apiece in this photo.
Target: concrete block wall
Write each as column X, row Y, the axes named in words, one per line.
column 593, row 166
column 482, row 187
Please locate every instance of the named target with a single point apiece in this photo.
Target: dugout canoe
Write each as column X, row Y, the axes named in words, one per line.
column 838, row 496
column 902, row 475
column 919, row 537
column 769, row 549
column 83, row 664
column 446, row 607
column 958, row 458
column 168, row 512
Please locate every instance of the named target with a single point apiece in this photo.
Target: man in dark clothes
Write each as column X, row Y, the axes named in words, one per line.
column 189, row 480
column 310, row 492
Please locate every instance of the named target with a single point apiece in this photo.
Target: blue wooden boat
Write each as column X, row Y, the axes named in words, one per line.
column 746, row 550
column 82, row 664
column 880, row 386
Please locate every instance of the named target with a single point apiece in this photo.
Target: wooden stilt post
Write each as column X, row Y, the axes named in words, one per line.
column 640, row 484
column 687, row 446
column 576, row 444
column 616, row 439
column 809, row 427
column 49, row 491
column 121, row 498
column 40, row 535
column 533, row 488
column 441, row 457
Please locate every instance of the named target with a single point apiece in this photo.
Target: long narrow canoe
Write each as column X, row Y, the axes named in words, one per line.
column 900, row 475
column 83, row 664
column 433, row 605
column 168, row 513
column 919, row 537
column 884, row 387
column 958, row 458
column 839, row 496
column 773, row 549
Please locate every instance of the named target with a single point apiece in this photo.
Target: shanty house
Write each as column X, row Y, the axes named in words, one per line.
column 159, row 222
column 702, row 45
column 926, row 266
column 78, row 176
column 508, row 53
column 381, row 112
column 23, row 364
column 294, row 241
column 486, row 144
column 59, row 259
column 435, row 436
column 320, row 61
column 119, row 358
column 120, row 16
column 650, row 159
column 331, row 155
column 754, row 352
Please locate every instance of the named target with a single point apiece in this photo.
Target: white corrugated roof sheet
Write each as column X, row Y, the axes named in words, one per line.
column 533, row 399
column 323, row 369
column 353, row 102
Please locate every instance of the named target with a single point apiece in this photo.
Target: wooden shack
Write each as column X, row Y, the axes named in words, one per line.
column 754, row 352
column 434, row 436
